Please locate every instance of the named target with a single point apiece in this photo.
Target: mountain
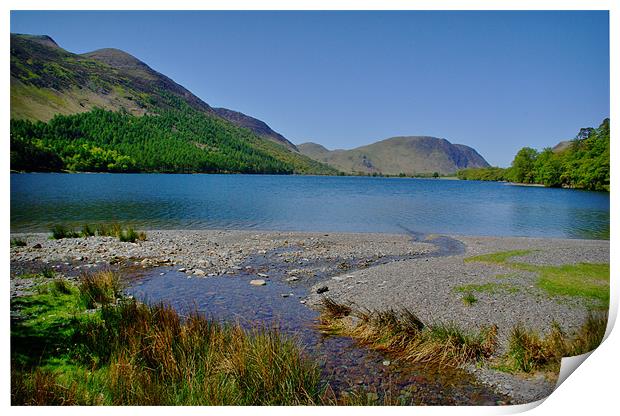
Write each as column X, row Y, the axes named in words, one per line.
column 562, row 146
column 257, row 126
column 48, row 82
column 409, row 155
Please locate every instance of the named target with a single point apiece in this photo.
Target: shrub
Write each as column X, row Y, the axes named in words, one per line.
column 60, row 231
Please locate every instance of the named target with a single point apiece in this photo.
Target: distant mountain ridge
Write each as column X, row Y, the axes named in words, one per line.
column 408, row 155
column 67, row 83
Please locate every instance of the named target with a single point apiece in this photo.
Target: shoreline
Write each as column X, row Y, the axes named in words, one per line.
column 375, row 271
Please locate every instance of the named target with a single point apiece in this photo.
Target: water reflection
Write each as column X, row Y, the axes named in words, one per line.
column 306, row 203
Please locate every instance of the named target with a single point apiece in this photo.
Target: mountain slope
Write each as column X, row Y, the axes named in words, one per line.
column 106, row 109
column 257, row 126
column 396, row 155
column 47, row 80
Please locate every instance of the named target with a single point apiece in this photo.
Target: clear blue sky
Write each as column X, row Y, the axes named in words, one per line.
column 496, row 81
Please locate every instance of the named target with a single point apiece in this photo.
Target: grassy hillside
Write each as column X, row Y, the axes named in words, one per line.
column 399, row 155
column 108, row 111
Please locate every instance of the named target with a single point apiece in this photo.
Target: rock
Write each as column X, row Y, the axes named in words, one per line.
column 292, row 279
column 285, row 295
column 145, row 261
column 258, row 282
column 302, row 302
column 322, row 289
column 182, row 270
column 37, row 246
column 199, row 272
column 266, row 276
column 386, row 362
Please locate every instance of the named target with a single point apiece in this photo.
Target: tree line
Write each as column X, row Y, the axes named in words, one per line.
column 583, row 164
column 174, row 140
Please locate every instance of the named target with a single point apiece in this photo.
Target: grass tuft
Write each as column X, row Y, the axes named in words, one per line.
column 16, row 242
column 60, row 231
column 469, row 299
column 333, row 309
column 99, row 288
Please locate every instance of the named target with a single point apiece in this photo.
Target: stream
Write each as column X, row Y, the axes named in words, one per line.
column 346, row 366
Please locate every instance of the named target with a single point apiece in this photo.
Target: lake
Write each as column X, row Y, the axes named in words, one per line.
column 306, row 203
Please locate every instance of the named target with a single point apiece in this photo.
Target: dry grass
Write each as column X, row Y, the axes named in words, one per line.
column 404, row 335
column 528, row 351
column 41, row 388
column 100, row 288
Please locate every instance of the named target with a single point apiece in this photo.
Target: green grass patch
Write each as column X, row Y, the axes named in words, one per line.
column 491, row 287
column 499, row 257
column 585, row 280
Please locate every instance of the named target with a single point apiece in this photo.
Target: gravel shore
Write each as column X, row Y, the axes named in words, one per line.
column 369, row 271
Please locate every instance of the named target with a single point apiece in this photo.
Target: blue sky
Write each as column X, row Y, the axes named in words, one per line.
column 496, row 81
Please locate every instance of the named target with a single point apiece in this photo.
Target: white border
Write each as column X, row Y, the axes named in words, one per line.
column 590, row 390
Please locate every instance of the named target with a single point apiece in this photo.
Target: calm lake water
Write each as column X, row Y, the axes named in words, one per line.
column 306, row 203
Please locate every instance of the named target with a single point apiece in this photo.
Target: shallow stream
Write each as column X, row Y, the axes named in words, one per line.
column 345, row 365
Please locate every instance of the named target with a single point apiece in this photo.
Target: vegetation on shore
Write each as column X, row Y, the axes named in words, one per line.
column 586, row 280
column 403, row 335
column 127, row 234
column 128, row 353
column 583, row 164
column 528, row 351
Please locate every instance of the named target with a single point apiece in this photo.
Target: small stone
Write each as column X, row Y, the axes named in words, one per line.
column 188, row 271
column 285, row 295
column 322, row 289
column 212, row 274
column 258, row 282
column 145, row 261
column 182, row 270
column 386, row 362
column 266, row 276
column 199, row 272
column 37, row 246
column 292, row 279
column 302, row 302
column 162, row 273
